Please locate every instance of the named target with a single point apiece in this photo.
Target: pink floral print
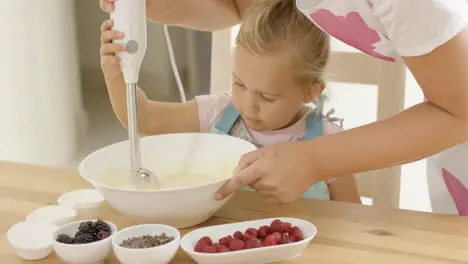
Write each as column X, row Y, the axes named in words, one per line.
column 351, row 29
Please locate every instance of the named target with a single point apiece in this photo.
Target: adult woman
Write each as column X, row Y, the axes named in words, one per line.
column 431, row 37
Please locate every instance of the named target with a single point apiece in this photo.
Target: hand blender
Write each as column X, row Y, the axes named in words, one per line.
column 130, row 18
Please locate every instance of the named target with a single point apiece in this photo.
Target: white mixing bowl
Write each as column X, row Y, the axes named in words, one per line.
column 189, row 153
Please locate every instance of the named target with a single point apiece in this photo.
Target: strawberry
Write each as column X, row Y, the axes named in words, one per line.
column 221, row 248
column 204, row 241
column 277, row 237
column 199, row 247
column 277, row 226
column 216, row 245
column 285, row 239
column 250, row 233
column 295, row 230
column 263, row 231
column 238, row 235
column 208, row 249
column 288, row 226
column 253, row 243
column 270, row 240
column 297, row 237
column 225, row 240
column 236, row 244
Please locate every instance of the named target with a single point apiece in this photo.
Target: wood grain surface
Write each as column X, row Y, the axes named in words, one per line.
column 347, row 233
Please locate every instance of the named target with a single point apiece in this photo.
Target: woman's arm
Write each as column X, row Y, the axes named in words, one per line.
column 205, row 15
column 344, row 189
column 416, row 133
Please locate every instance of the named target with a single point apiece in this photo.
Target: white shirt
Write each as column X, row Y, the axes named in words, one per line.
column 387, row 29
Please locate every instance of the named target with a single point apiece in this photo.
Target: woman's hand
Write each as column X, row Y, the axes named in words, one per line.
column 281, row 173
column 107, row 5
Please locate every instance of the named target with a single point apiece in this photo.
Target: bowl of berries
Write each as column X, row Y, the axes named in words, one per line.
column 254, row 242
column 88, row 241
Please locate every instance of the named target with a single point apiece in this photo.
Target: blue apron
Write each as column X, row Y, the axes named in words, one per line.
column 314, row 128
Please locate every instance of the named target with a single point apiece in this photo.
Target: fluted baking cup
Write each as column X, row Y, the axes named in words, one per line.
column 54, row 214
column 32, row 241
column 85, row 202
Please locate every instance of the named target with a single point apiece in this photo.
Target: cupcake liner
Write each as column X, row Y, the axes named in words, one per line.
column 34, row 254
column 32, row 241
column 87, row 213
column 86, row 203
column 55, row 214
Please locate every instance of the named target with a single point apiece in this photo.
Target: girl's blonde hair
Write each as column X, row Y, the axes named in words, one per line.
column 278, row 26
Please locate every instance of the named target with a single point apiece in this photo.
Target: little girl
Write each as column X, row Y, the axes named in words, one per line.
column 279, row 66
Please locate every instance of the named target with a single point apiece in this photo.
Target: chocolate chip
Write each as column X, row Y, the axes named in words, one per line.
column 146, row 241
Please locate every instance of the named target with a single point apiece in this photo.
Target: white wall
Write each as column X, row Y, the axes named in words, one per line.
column 50, row 61
column 39, row 88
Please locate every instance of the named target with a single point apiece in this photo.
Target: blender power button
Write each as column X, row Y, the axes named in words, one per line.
column 132, row 46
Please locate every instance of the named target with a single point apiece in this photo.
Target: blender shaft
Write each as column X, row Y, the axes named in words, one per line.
column 133, row 135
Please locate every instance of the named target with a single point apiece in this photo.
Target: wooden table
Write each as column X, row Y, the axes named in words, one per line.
column 347, row 233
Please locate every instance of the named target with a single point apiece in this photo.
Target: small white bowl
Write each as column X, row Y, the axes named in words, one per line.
column 262, row 255
column 32, row 241
column 85, row 202
column 54, row 214
column 95, row 252
column 157, row 255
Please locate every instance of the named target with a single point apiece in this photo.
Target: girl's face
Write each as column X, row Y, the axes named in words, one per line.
column 265, row 93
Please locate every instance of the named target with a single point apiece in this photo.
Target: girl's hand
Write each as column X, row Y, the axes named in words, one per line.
column 110, row 64
column 107, row 5
column 280, row 173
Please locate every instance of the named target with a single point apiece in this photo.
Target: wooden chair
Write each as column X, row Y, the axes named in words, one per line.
column 383, row 185
column 221, row 61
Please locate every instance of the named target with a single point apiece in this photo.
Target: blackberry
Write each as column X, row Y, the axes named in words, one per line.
column 100, row 225
column 66, row 239
column 86, row 227
column 79, row 233
column 102, row 235
column 85, row 239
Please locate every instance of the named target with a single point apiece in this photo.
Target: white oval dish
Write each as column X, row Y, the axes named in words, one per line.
column 261, row 255
column 54, row 214
column 95, row 252
column 32, row 241
column 157, row 255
